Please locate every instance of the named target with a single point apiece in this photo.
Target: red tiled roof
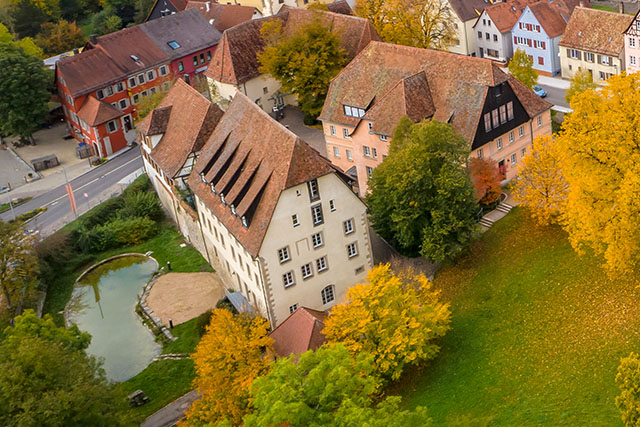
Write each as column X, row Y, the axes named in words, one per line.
column 95, row 112
column 250, row 159
column 549, row 17
column 299, row 332
column 505, row 15
column 390, row 81
column 187, row 119
column 596, row 31
column 235, row 60
column 224, row 16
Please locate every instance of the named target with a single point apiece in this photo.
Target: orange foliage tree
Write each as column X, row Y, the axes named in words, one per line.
column 486, row 179
column 234, row 351
column 394, row 318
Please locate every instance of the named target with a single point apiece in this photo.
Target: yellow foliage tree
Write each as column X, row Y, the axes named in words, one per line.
column 600, row 144
column 540, row 185
column 234, row 351
column 395, row 318
column 420, row 23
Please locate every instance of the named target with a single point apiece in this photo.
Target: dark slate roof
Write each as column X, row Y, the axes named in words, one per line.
column 189, row 29
column 250, row 159
column 187, row 119
column 235, row 60
column 299, row 332
column 390, row 81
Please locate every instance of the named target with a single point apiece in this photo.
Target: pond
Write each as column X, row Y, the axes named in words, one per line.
column 103, row 304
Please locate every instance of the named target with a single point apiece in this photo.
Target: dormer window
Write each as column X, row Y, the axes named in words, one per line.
column 356, row 112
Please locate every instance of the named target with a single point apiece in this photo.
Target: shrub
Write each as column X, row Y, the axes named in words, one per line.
column 141, row 184
column 102, row 213
column 202, row 322
column 140, row 204
column 131, row 231
column 96, row 239
column 56, row 249
column 628, row 381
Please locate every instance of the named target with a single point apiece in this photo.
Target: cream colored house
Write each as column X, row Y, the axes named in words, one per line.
column 466, row 13
column 594, row 40
column 278, row 219
column 235, row 67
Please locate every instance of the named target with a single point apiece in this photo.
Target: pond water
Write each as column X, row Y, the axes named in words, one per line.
column 103, row 304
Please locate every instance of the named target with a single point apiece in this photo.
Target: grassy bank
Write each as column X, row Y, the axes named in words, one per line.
column 537, row 334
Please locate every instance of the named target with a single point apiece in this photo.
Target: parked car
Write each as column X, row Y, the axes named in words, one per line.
column 539, row 91
column 4, row 189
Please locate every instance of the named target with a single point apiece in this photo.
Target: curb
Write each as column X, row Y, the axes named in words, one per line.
column 150, row 314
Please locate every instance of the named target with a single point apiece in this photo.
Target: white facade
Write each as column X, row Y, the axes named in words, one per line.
column 490, row 42
column 264, row 90
column 466, row 44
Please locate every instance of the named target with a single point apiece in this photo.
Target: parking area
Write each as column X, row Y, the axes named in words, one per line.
column 12, row 170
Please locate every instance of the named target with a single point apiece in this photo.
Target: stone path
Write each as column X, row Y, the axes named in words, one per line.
column 499, row 212
column 173, row 412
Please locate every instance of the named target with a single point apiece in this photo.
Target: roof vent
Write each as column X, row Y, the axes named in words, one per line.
column 244, row 222
column 233, row 210
column 514, row 8
column 210, row 21
column 213, row 190
column 135, row 58
column 202, row 177
column 222, row 199
column 610, row 38
column 579, row 33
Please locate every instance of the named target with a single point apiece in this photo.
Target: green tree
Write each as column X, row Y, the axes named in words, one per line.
column 105, row 21
column 60, row 37
column 394, row 319
column 124, row 9
column 143, row 7
column 27, row 18
column 149, row 103
column 422, row 198
column 521, row 67
column 628, row 381
column 24, row 92
column 582, row 80
column 29, row 47
column 47, row 378
column 303, row 63
column 326, row 387
column 18, row 263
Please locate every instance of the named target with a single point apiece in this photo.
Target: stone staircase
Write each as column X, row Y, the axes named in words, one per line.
column 490, row 218
column 504, row 207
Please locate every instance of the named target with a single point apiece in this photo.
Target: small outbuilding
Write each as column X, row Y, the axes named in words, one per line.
column 45, row 162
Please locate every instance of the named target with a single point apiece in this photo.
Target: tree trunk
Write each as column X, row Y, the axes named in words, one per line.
column 5, row 291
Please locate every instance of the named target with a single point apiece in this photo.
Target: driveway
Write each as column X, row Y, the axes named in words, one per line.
column 294, row 119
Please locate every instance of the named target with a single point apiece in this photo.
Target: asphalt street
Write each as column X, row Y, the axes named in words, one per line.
column 555, row 95
column 87, row 189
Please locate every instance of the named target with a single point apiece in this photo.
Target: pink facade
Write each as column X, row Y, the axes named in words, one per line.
column 632, row 46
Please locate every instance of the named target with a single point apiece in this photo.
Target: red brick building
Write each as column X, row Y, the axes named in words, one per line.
column 100, row 88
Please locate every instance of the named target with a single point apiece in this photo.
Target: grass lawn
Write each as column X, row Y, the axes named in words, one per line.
column 537, row 334
column 601, row 7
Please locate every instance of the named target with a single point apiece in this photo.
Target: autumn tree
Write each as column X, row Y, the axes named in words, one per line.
column 628, row 382
column 233, row 352
column 486, row 179
column 18, row 264
column 420, row 23
column 540, row 185
column 47, row 379
column 422, row 198
column 59, row 37
column 521, row 67
column 24, row 92
column 304, row 63
column 582, row 80
column 395, row 320
column 600, row 162
column 326, row 387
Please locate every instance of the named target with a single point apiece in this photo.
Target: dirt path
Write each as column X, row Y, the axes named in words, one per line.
column 183, row 296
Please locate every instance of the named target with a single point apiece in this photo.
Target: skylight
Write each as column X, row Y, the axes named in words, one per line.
column 173, row 44
column 135, row 58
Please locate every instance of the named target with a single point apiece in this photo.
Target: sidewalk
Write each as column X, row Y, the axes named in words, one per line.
column 556, row 82
column 173, row 412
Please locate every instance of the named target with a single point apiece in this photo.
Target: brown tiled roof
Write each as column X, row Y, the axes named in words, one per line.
column 596, row 31
column 87, row 71
column 250, row 158
column 95, row 112
column 187, row 119
column 505, row 15
column 390, row 81
column 468, row 9
column 189, row 29
column 299, row 332
column 235, row 60
column 224, row 16
column 549, row 17
column 340, row 6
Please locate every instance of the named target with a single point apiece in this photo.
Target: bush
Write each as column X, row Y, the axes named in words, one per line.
column 202, row 321
column 102, row 213
column 56, row 249
column 96, row 239
column 226, row 304
column 141, row 184
column 131, row 231
column 140, row 204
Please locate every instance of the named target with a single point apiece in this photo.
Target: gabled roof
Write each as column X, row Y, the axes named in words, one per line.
column 505, row 15
column 635, row 17
column 235, row 60
column 390, row 81
column 340, row 6
column 224, row 16
column 550, row 18
column 596, row 31
column 468, row 9
column 250, row 159
column 95, row 112
column 300, row 332
column 189, row 29
column 179, row 5
column 187, row 119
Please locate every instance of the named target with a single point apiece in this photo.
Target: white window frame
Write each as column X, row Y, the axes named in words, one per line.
column 369, row 171
column 163, row 70
column 514, row 159
column 288, row 279
column 293, row 308
column 295, row 220
column 316, row 240
column 328, row 294
column 511, row 138
column 332, row 205
column 115, row 125
column 321, row 264
column 349, row 155
column 284, row 255
column 352, row 250
column 348, row 226
column 332, row 129
column 539, row 121
column 306, row 270
column 521, row 131
column 345, row 133
column 499, row 144
column 336, row 152
column 366, row 150
column 317, row 216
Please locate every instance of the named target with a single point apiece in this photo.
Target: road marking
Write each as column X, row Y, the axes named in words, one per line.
column 92, row 181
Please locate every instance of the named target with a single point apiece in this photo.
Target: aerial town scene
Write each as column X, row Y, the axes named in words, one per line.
column 303, row 213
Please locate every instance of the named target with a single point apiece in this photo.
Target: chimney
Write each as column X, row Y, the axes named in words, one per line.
column 621, row 7
column 208, row 6
column 93, row 39
column 76, row 51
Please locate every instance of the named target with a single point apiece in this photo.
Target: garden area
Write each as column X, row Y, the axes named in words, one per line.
column 130, row 223
column 537, row 333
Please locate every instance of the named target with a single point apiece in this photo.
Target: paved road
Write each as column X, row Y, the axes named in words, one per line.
column 555, row 95
column 96, row 184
